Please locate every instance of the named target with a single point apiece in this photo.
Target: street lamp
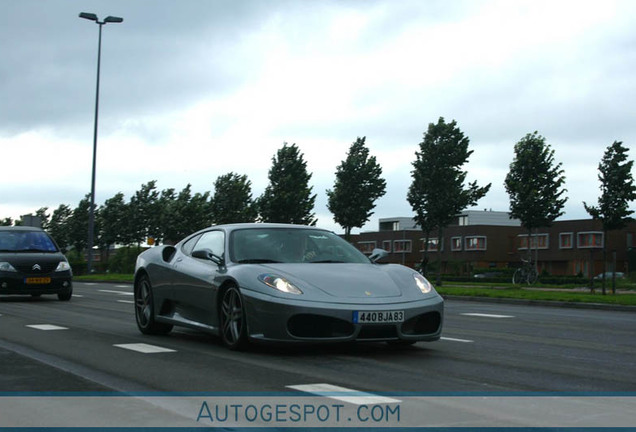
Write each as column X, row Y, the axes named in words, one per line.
column 91, row 213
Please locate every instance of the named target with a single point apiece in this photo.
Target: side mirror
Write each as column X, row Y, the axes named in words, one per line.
column 207, row 254
column 377, row 255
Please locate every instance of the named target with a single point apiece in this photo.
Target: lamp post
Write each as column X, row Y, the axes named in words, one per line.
column 91, row 211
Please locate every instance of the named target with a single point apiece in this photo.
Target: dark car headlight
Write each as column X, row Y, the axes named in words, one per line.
column 423, row 284
column 63, row 266
column 279, row 283
column 6, row 267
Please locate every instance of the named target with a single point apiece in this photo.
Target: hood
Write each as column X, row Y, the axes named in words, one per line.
column 33, row 262
column 342, row 281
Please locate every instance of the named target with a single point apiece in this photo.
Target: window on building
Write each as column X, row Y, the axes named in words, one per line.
column 456, row 243
column 386, row 245
column 366, row 247
column 537, row 241
column 592, row 239
column 566, row 240
column 475, row 243
column 462, row 220
column 433, row 245
column 401, row 246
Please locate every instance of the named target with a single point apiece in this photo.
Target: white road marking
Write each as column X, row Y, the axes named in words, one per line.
column 77, row 295
column 46, row 327
column 126, row 301
column 338, row 393
column 456, row 340
column 144, row 348
column 89, row 283
column 122, row 286
column 487, row 315
column 116, row 292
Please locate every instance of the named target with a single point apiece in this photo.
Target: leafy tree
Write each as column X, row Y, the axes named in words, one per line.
column 44, row 217
column 78, row 225
column 113, row 222
column 145, row 214
column 288, row 197
column 535, row 185
column 184, row 213
column 232, row 201
column 59, row 226
column 617, row 191
column 358, row 185
column 6, row 222
column 438, row 192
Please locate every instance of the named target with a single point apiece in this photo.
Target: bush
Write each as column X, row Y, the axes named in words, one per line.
column 76, row 261
column 124, row 260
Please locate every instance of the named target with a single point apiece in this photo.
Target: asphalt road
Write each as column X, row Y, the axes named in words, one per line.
column 91, row 344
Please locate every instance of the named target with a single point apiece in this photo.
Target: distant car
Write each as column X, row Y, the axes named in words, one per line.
column 283, row 283
column 32, row 264
column 609, row 275
column 487, row 275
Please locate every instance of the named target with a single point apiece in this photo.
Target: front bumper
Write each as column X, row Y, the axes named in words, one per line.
column 52, row 283
column 275, row 319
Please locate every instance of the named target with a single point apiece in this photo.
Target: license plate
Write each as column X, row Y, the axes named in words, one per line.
column 377, row 317
column 37, row 280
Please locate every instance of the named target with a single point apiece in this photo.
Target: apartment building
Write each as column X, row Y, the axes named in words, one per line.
column 490, row 239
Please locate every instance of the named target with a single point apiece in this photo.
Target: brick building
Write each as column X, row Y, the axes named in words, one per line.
column 488, row 239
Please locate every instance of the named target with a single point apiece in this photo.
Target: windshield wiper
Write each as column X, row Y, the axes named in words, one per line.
column 258, row 261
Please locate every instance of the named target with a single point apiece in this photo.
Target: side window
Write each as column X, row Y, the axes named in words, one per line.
column 213, row 240
column 189, row 245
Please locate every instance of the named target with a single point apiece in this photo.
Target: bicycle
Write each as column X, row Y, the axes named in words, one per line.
column 527, row 273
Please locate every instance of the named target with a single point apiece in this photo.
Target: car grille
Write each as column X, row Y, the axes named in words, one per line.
column 378, row 332
column 318, row 326
column 44, row 268
column 427, row 323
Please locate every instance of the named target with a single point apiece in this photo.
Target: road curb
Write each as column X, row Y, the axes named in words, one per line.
column 548, row 303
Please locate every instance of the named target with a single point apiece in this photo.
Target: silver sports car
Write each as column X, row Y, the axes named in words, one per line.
column 275, row 282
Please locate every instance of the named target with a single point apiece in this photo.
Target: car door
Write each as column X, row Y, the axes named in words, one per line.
column 195, row 290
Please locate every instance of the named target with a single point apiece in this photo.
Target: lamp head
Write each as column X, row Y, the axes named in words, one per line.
column 88, row 16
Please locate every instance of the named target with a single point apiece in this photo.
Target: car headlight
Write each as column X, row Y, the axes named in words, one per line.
column 63, row 266
column 279, row 283
column 6, row 267
column 421, row 282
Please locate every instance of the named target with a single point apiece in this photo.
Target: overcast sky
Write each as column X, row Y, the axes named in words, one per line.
column 191, row 90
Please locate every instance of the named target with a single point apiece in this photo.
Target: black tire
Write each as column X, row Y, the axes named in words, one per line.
column 145, row 309
column 66, row 295
column 233, row 325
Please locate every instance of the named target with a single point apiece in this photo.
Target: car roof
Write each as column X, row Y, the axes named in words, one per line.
column 19, row 228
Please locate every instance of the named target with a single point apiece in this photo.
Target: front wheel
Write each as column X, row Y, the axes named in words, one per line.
column 233, row 322
column 66, row 294
column 145, row 309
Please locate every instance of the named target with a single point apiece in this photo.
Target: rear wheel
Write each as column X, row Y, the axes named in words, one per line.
column 232, row 319
column 145, row 310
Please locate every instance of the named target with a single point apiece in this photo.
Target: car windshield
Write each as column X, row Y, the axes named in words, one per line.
column 26, row 241
column 291, row 245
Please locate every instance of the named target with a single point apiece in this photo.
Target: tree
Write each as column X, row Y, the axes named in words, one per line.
column 113, row 222
column 44, row 217
column 617, row 191
column 78, row 225
column 145, row 215
column 438, row 192
column 535, row 185
column 288, row 197
column 58, row 226
column 358, row 185
column 6, row 222
column 232, row 201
